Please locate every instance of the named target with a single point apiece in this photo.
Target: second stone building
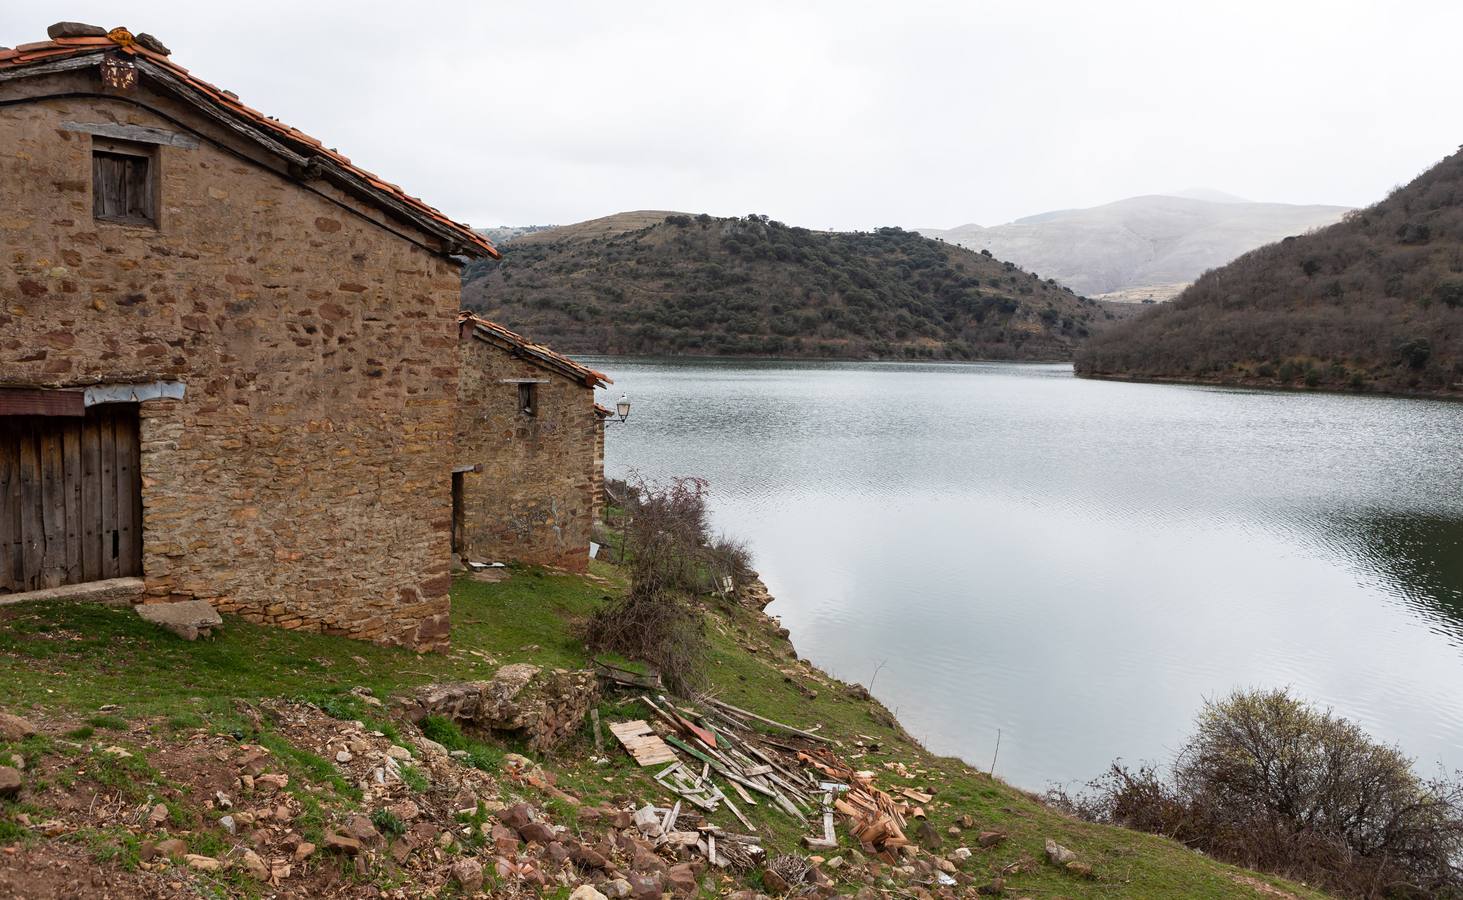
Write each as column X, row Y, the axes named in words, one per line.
column 529, row 451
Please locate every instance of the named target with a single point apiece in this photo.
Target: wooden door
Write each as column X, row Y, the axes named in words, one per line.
column 70, row 498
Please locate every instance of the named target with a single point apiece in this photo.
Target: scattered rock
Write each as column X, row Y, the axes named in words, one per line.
column 344, row 756
column 222, row 800
column 538, row 833
column 342, row 844
column 74, row 30
column 148, row 42
column 229, row 824
column 990, row 838
column 202, row 863
column 774, row 882
column 646, row 887
column 1058, row 854
column 406, row 810
column 157, row 815
column 117, row 752
column 681, row 879
column 255, row 865
column 172, row 848
column 398, row 752
column 588, row 857
column 468, row 874
column 360, row 828
column 273, row 782
column 966, row 821
column 960, row 854
column 1080, row 869
column 10, row 782
column 304, row 850
column 517, row 815
column 586, row 892
column 928, row 837
column 616, row 889
column 14, row 728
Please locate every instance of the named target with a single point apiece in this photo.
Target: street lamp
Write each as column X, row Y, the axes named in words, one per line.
column 622, row 409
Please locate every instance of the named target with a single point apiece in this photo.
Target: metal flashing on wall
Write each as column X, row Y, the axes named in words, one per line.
column 134, row 393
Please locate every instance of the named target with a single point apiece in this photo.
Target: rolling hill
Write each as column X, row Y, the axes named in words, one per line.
column 657, row 282
column 1141, row 247
column 1374, row 302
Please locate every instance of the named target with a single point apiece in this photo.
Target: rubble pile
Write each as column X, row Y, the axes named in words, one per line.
column 546, row 706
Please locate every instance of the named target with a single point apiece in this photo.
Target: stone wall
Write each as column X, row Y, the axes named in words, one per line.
column 304, row 478
column 597, row 477
column 533, row 500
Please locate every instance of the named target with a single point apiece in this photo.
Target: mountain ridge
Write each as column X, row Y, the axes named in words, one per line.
column 1153, row 241
column 752, row 286
column 1373, row 302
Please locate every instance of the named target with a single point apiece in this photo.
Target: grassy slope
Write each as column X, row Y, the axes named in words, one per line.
column 68, row 660
column 638, row 284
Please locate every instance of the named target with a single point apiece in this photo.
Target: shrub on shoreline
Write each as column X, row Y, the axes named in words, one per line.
column 1270, row 782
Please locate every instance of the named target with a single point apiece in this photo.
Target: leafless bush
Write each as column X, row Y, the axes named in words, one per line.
column 670, row 558
column 1271, row 782
column 729, row 557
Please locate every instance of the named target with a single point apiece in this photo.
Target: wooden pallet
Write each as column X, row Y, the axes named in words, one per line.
column 643, row 743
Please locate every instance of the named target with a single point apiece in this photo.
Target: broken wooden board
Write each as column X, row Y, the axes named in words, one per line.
column 642, row 743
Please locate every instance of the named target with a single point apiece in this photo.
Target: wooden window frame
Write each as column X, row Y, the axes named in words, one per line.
column 150, row 193
column 528, row 398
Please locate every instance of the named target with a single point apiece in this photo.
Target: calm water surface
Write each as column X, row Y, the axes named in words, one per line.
column 1077, row 564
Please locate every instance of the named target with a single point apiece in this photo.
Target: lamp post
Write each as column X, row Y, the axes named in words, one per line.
column 622, row 409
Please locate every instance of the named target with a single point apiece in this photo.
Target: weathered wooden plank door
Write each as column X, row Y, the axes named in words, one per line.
column 70, row 498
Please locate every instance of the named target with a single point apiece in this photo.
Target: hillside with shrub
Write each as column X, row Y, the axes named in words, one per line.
column 1374, row 302
column 676, row 284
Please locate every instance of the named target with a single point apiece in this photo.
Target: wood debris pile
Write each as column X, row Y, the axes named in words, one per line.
column 798, row 774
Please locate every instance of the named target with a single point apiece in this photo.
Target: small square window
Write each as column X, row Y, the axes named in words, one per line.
column 528, row 398
column 122, row 183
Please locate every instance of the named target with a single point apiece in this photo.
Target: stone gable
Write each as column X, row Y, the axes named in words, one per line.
column 534, row 499
column 304, row 478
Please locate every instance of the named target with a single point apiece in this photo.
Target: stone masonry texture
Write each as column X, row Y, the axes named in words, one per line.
column 533, row 501
column 304, row 480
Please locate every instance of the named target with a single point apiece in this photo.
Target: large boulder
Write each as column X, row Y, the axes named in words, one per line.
column 14, row 728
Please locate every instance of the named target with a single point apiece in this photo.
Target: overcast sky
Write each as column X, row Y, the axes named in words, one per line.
column 840, row 114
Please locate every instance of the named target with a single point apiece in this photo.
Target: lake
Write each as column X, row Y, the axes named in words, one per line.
column 1077, row 564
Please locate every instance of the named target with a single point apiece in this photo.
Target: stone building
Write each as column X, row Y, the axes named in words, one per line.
column 228, row 363
column 530, row 451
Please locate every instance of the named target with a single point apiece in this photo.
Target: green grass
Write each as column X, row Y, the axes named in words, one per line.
column 414, row 778
column 73, row 658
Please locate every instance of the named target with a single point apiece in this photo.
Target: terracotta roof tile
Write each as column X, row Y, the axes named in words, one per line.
column 536, row 352
column 101, row 41
column 43, row 50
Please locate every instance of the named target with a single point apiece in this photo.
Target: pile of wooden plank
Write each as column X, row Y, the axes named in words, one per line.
column 796, row 772
column 874, row 818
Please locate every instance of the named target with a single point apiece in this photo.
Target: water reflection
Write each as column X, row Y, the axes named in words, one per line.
column 1078, row 563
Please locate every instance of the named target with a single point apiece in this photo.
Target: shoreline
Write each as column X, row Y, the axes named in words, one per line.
column 1273, row 387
